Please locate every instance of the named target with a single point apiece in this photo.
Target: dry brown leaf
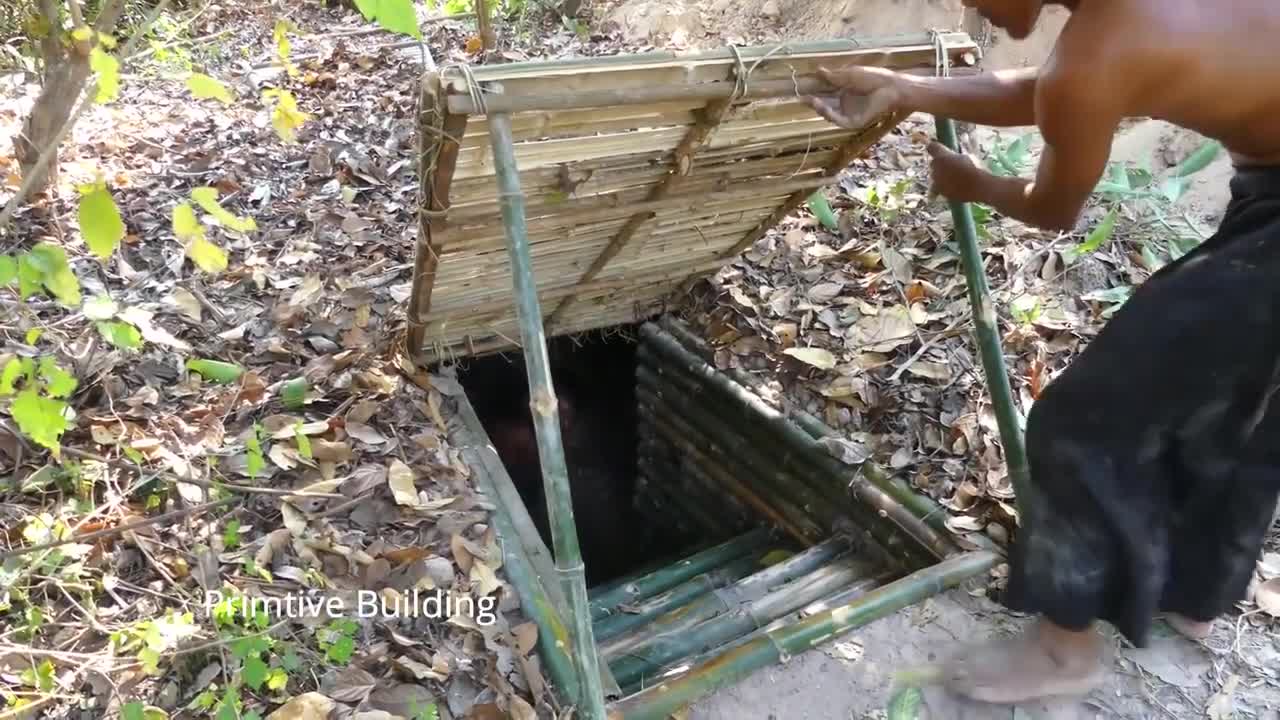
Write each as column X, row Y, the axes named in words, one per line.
column 817, row 357
column 930, row 370
column 400, row 479
column 186, row 303
column 365, row 433
column 287, row 426
column 350, row 685
column 308, row 292
column 483, row 578
column 1267, row 597
column 825, row 292
column 526, row 637
column 277, row 541
column 310, row 706
column 461, row 555
column 886, row 330
column 521, row 710
column 330, row 451
column 361, row 412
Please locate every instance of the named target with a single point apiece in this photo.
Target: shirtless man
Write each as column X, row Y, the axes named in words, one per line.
column 1151, row 486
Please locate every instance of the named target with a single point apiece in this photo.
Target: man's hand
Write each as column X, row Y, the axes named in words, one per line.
column 863, row 95
column 955, row 176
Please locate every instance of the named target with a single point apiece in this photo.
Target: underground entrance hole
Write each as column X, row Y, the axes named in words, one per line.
column 622, row 500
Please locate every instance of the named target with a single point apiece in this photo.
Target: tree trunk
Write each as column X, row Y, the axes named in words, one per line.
column 65, row 72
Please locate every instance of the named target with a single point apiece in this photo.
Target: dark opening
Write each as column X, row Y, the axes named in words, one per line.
column 595, row 379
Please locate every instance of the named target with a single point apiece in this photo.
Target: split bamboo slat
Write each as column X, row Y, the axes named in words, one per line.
column 638, row 172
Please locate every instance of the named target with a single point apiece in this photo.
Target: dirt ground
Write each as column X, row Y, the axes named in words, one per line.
column 853, row 677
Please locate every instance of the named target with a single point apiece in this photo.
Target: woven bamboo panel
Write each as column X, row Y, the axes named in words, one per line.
column 639, row 173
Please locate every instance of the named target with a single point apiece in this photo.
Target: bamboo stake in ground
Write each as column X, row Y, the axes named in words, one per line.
column 984, row 322
column 546, row 418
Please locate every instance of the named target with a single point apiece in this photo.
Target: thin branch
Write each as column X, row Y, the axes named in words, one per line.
column 174, row 479
column 117, row 530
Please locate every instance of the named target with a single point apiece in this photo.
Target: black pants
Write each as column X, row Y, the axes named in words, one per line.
column 1155, row 457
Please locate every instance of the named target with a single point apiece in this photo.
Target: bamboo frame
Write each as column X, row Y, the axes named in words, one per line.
column 608, row 146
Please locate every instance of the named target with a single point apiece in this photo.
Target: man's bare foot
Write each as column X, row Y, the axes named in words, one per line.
column 1045, row 661
column 1192, row 629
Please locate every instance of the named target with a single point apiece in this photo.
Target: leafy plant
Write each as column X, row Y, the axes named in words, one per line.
column 337, row 640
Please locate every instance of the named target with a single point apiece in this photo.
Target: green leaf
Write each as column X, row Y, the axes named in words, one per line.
column 394, row 15
column 229, row 708
column 291, row 662
column 39, row 418
column 277, row 680
column 341, row 650
column 821, row 209
column 12, row 371
column 216, row 370
column 207, row 256
column 185, row 223
column 255, row 672
column 100, row 307
column 55, row 274
column 1097, row 236
column 121, row 334
column 204, row 87
column 294, row 393
column 905, row 704
column 33, row 336
column 1173, row 188
column 60, row 382
column 39, row 677
column 231, row 535
column 133, row 711
column 100, row 222
column 1199, row 160
column 304, row 442
column 254, row 462
column 108, row 71
column 207, row 197
column 8, row 270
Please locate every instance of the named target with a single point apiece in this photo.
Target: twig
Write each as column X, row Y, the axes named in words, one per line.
column 117, row 530
column 174, row 479
column 87, row 98
column 925, row 345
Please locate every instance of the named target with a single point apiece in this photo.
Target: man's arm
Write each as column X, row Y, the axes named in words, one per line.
column 1004, row 98
column 1077, row 117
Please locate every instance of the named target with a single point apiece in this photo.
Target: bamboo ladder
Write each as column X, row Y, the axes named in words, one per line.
column 607, row 169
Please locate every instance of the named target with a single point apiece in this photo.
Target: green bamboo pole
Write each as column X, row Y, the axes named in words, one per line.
column 676, row 597
column 671, row 576
column 546, row 417
column 679, row 621
column 727, row 668
column 757, row 613
column 985, row 327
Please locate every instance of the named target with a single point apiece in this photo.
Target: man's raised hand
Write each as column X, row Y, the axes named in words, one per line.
column 863, row 94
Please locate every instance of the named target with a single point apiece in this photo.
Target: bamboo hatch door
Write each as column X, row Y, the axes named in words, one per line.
column 640, row 173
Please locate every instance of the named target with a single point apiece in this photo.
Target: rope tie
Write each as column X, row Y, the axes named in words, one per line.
column 941, row 58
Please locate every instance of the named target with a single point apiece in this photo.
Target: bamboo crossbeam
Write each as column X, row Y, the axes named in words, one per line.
column 680, row 620
column 546, row 417
column 746, row 617
column 787, row 71
column 604, row 603
column 729, row 667
column 679, row 596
